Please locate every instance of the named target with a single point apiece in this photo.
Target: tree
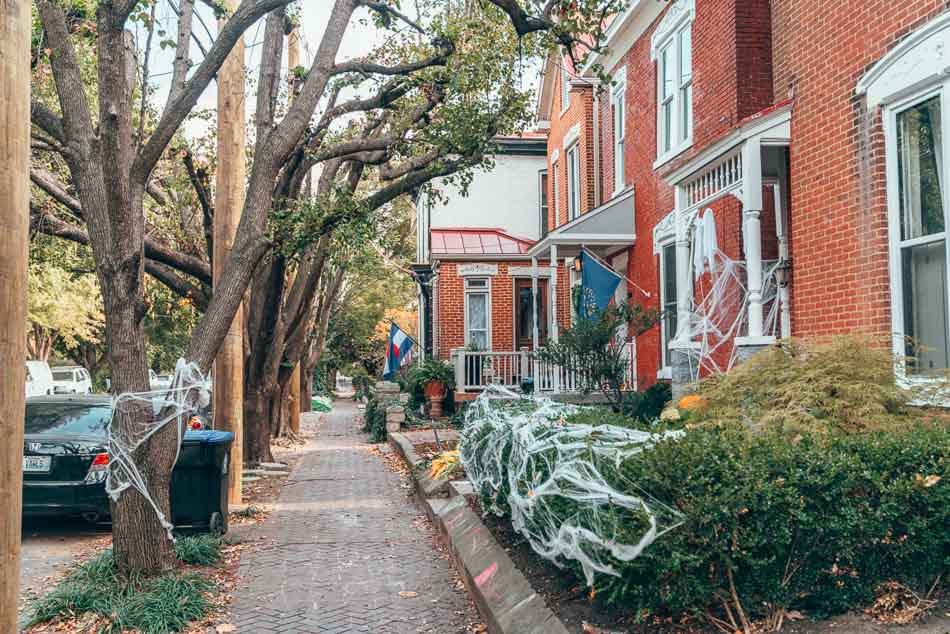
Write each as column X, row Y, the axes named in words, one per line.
column 61, row 307
column 111, row 147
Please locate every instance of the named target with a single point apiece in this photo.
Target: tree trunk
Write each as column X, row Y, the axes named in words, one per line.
column 257, row 408
column 306, row 390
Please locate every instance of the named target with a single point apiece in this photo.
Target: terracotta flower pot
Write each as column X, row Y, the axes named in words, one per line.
column 435, row 393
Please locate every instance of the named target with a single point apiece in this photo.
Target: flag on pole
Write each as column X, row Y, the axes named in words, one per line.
column 397, row 351
column 598, row 284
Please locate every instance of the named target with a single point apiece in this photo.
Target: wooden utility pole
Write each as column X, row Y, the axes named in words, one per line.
column 228, row 203
column 14, row 238
column 293, row 60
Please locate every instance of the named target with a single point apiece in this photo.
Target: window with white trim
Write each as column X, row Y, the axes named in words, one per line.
column 920, row 243
column 667, row 300
column 617, row 104
column 543, row 200
column 565, row 88
column 573, row 182
column 674, row 58
column 478, row 313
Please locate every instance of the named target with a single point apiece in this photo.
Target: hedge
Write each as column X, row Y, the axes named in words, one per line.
column 771, row 519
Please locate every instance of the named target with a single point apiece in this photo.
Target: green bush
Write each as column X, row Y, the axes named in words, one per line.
column 198, row 550
column 813, row 522
column 374, row 420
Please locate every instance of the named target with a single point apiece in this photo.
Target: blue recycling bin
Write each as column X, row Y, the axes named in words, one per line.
column 199, row 488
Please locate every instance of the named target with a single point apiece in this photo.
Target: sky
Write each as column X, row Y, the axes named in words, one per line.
column 361, row 37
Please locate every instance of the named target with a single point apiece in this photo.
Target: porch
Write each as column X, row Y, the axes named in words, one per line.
column 477, row 370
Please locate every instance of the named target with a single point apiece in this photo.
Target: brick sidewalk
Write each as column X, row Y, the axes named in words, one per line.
column 343, row 541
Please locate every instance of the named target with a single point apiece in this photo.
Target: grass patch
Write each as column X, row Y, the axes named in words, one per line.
column 167, row 603
column 198, row 550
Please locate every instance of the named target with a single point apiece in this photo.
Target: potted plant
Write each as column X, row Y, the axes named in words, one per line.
column 436, row 378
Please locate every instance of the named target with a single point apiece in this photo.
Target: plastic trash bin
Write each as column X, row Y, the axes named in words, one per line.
column 199, row 489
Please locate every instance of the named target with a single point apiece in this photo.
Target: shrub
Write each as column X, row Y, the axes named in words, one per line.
column 813, row 522
column 845, row 385
column 374, row 420
column 775, row 517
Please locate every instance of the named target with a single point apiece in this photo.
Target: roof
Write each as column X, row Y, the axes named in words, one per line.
column 477, row 241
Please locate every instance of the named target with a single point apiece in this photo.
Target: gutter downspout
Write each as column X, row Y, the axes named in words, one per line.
column 596, row 123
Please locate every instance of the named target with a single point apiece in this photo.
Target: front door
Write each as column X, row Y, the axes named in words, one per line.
column 524, row 316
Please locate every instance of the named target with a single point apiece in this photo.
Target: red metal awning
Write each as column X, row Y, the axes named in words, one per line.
column 471, row 241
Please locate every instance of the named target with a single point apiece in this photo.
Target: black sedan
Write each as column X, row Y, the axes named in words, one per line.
column 65, row 455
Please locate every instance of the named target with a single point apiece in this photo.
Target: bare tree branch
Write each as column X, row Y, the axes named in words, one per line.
column 182, row 61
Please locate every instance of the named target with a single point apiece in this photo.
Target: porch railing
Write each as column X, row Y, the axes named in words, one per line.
column 476, row 370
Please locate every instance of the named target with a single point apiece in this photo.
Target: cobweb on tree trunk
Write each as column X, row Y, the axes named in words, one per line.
column 137, row 416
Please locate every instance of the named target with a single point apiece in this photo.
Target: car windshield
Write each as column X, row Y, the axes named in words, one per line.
column 66, row 375
column 67, row 418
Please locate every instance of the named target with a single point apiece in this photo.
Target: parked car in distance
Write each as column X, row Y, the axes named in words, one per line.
column 65, row 455
column 71, row 380
column 39, row 379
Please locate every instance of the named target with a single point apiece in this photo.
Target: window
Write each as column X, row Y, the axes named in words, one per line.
column 565, row 88
column 921, row 250
column 617, row 105
column 673, row 51
column 573, row 183
column 477, row 313
column 667, row 299
column 543, row 197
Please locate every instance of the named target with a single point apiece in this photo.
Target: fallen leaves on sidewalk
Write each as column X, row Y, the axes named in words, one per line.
column 408, row 594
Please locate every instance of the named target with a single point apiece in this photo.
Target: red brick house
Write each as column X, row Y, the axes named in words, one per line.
column 758, row 169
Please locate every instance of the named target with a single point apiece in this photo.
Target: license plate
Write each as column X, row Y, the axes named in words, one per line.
column 36, row 464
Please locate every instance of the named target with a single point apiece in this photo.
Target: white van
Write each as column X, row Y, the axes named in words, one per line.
column 71, row 380
column 39, row 379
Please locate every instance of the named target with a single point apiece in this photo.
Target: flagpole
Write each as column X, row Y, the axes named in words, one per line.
column 408, row 336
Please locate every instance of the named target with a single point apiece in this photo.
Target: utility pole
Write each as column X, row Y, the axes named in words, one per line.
column 293, row 60
column 228, row 204
column 14, row 240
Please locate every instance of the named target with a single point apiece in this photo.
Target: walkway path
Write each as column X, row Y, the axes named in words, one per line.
column 342, row 543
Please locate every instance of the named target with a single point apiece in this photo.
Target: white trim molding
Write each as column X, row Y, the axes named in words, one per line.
column 573, row 134
column 664, row 232
column 477, row 270
column 921, row 59
column 527, row 271
column 680, row 12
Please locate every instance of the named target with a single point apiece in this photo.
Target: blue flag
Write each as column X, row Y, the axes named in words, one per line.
column 397, row 351
column 598, row 284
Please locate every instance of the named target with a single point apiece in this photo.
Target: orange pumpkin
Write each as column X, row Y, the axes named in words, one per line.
column 693, row 402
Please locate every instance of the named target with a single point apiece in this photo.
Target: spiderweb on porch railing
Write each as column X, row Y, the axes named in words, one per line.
column 562, row 483
column 721, row 314
column 137, row 416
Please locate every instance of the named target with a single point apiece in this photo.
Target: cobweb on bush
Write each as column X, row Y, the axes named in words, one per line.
column 137, row 416
column 561, row 481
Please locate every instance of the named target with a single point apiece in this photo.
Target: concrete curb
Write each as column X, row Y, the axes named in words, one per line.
column 425, row 486
column 503, row 596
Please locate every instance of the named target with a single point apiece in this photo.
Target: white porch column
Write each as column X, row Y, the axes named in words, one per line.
column 552, row 285
column 781, row 230
column 684, row 270
column 751, row 209
column 534, row 303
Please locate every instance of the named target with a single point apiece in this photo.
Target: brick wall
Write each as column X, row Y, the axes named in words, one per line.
column 579, row 111
column 450, row 318
column 839, row 215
